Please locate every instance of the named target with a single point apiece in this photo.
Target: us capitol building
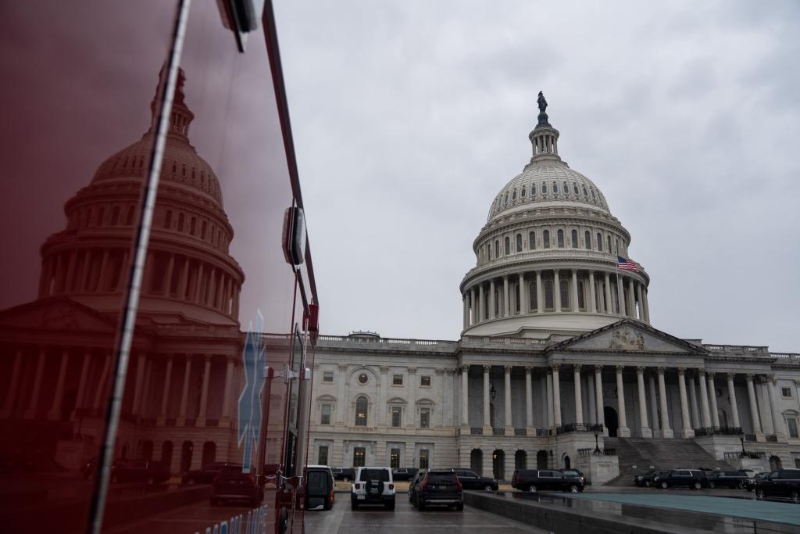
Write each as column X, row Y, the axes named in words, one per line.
column 557, row 362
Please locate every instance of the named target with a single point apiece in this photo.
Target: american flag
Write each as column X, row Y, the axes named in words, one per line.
column 627, row 264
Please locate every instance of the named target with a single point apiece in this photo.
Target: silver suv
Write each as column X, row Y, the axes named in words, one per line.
column 372, row 485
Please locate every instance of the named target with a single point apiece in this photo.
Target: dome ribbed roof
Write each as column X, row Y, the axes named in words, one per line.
column 181, row 163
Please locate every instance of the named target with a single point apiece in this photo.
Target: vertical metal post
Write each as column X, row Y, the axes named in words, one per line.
column 131, row 298
column 261, row 453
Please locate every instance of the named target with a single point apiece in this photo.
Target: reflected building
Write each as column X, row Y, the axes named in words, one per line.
column 557, row 360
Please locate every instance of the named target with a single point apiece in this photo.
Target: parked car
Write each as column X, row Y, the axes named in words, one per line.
column 207, row 473
column 473, row 481
column 574, row 474
column 343, row 473
column 646, row 479
column 404, row 473
column 690, row 478
column 439, row 487
column 318, row 490
column 139, row 471
column 233, row 485
column 413, row 485
column 784, row 483
column 535, row 480
column 752, row 482
column 726, row 478
column 373, row 485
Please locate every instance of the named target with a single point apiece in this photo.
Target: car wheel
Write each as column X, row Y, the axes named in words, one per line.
column 794, row 496
column 664, row 484
column 697, row 485
column 532, row 489
column 460, row 507
column 574, row 488
column 740, row 485
column 648, row 484
column 420, row 504
column 712, row 485
column 488, row 487
column 760, row 494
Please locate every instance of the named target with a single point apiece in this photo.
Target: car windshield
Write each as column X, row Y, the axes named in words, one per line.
column 373, row 474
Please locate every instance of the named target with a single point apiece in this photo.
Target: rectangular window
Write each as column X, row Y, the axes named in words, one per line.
column 423, row 458
column 397, row 416
column 325, row 417
column 397, row 380
column 425, row 381
column 322, row 455
column 359, row 456
column 327, row 377
column 792, row 422
column 425, row 418
column 786, row 392
column 394, row 458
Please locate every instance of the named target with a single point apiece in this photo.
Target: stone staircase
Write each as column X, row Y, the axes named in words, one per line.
column 637, row 455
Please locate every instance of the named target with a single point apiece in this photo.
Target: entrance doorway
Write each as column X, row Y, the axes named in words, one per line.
column 541, row 460
column 775, row 463
column 520, row 460
column 612, row 422
column 567, row 462
column 476, row 461
column 498, row 464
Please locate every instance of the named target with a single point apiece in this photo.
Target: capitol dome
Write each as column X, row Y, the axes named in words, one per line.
column 551, row 259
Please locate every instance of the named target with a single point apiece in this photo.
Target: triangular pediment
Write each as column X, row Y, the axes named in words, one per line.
column 57, row 313
column 628, row 335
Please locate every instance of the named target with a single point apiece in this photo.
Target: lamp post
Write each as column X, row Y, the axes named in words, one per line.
column 492, row 392
column 741, row 438
column 597, row 451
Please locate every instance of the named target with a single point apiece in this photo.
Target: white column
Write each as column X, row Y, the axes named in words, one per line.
column 98, row 394
column 656, row 428
column 487, row 402
column 227, row 394
column 465, row 396
column 204, row 390
column 506, row 306
column 631, row 299
column 465, row 310
column 592, row 293
column 645, row 431
column 590, row 393
column 185, row 391
column 734, row 406
column 184, row 280
column 524, row 306
column 30, row 413
column 646, row 306
column 712, row 393
column 777, row 417
column 693, row 403
column 79, row 399
column 576, row 374
column 574, row 307
column 556, row 397
column 598, row 392
column 640, row 314
column 481, row 304
column 492, row 300
column 704, row 399
column 751, row 393
column 145, row 396
column 473, row 307
column 539, row 293
column 609, row 307
column 383, row 407
column 666, row 429
column 11, row 393
column 412, row 397
column 55, row 409
column 507, row 398
column 165, row 390
column 168, row 277
column 621, row 294
column 623, row 431
column 687, row 423
column 341, row 401
column 557, row 290
column 549, row 396
column 137, row 389
column 528, row 400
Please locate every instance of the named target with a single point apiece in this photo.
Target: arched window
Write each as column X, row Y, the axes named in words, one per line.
column 609, row 244
column 555, row 188
column 544, row 188
column 361, row 411
column 522, row 193
column 560, row 238
column 574, row 239
column 514, row 195
column 599, row 242
column 566, row 188
column 581, row 296
column 548, row 295
column 585, row 193
column 519, row 242
column 534, row 295
column 575, row 189
column 496, row 248
column 587, row 237
column 489, row 249
column 505, row 199
column 546, row 238
column 533, row 190
column 507, row 243
column 564, row 294
column 531, row 240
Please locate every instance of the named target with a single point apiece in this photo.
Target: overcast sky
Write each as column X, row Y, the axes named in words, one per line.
column 410, row 116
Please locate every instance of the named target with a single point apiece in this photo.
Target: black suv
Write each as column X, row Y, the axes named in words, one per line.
column 403, row 473
column 534, row 480
column 471, row 480
column 784, row 483
column 646, row 480
column 343, row 473
column 690, row 478
column 438, row 487
column 726, row 479
column 208, row 473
